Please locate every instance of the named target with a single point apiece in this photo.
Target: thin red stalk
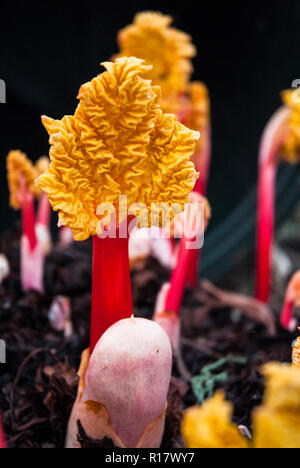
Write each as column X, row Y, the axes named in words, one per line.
column 44, row 211
column 111, row 285
column 193, row 269
column 268, row 162
column 2, row 437
column 28, row 218
column 178, row 280
column 200, row 187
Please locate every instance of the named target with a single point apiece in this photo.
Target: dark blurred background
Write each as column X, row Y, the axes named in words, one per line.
column 247, row 53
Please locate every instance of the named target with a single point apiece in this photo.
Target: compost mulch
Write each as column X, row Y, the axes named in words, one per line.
column 38, row 383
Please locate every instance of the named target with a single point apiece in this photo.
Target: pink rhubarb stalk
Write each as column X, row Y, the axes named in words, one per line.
column 2, row 437
column 187, row 225
column 271, row 143
column 178, row 279
column 28, row 215
column 292, row 300
column 44, row 211
column 111, row 285
column 203, row 168
column 32, row 256
column 170, row 298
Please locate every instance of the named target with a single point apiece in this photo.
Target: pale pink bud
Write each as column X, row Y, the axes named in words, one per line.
column 123, row 395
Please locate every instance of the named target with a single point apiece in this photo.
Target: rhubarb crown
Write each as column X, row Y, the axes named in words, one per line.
column 291, row 146
column 118, row 142
column 169, row 50
column 18, row 166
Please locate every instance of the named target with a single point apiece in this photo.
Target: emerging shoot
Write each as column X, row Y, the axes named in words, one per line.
column 117, row 157
column 123, row 391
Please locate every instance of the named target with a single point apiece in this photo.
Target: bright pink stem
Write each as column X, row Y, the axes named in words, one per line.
column 44, row 211
column 287, row 314
column 193, row 269
column 270, row 145
column 201, row 186
column 111, row 285
column 2, row 437
column 28, row 219
column 178, row 280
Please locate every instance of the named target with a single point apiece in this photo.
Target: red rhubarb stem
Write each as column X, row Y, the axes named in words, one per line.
column 271, row 142
column 28, row 219
column 178, row 280
column 2, row 437
column 201, row 187
column 111, row 285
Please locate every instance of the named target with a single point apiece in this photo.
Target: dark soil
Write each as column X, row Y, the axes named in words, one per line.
column 38, row 383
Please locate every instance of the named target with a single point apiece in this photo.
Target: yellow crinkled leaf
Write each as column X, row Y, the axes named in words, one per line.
column 296, row 353
column 169, row 50
column 118, row 142
column 19, row 165
column 210, row 426
column 41, row 166
column 291, row 146
column 277, row 422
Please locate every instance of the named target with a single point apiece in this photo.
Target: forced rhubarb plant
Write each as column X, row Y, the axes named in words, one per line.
column 152, row 38
column 291, row 300
column 275, row 422
column 117, row 157
column 21, row 179
column 280, row 142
